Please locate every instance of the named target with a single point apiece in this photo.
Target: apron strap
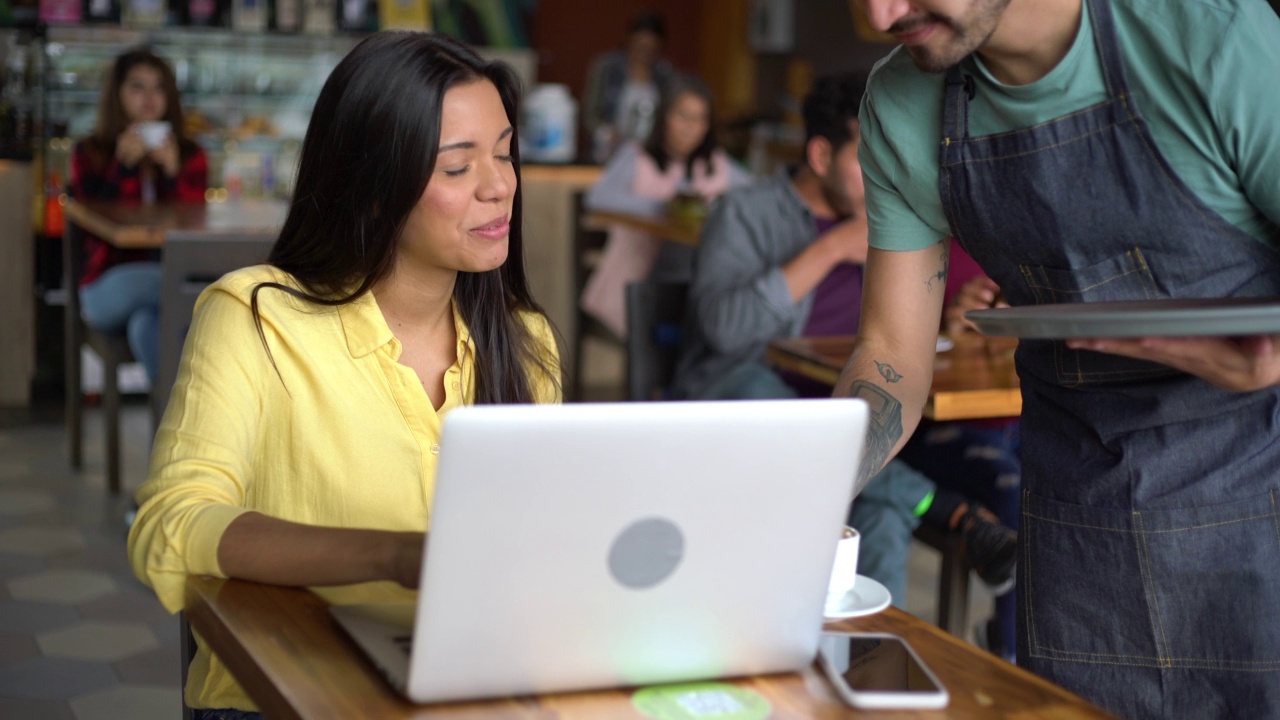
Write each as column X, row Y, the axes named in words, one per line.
column 1108, row 44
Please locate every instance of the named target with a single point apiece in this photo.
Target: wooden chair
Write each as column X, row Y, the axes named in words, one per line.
column 193, row 261
column 953, row 579
column 114, row 350
column 655, row 320
column 588, row 245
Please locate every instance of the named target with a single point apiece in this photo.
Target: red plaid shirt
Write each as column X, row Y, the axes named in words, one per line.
column 116, row 182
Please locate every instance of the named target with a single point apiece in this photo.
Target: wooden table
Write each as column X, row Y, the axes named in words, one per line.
column 667, row 227
column 134, row 225
column 975, row 379
column 295, row 662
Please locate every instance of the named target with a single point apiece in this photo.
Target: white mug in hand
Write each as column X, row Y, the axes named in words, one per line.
column 844, row 572
column 154, row 133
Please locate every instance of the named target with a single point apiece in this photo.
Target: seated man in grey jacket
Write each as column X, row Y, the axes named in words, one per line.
column 783, row 258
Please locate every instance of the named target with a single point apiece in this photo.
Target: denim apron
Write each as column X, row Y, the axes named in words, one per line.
column 1150, row 540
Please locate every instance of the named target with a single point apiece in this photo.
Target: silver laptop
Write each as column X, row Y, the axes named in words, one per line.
column 603, row 545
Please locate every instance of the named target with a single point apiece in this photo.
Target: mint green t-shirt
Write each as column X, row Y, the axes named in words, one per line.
column 1205, row 74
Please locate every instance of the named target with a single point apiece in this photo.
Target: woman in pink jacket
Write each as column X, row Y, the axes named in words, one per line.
column 681, row 157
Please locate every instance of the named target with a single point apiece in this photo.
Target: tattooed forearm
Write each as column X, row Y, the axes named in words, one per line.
column 939, row 278
column 887, row 372
column 883, row 431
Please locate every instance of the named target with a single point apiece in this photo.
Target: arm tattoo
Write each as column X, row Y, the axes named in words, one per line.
column 882, row 432
column 887, row 372
column 940, row 277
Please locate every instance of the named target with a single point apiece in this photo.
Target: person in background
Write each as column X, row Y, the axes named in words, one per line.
column 680, row 158
column 1089, row 151
column 624, row 87
column 782, row 258
column 120, row 289
column 301, row 440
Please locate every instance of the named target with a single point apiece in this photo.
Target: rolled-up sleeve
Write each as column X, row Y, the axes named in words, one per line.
column 201, row 463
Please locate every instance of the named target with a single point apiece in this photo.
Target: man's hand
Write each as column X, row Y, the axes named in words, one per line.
column 1241, row 364
column 847, row 241
column 979, row 293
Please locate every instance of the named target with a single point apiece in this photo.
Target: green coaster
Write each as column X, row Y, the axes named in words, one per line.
column 695, row 701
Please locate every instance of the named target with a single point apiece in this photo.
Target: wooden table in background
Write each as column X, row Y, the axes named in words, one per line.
column 666, row 227
column 134, row 225
column 295, row 662
column 975, row 379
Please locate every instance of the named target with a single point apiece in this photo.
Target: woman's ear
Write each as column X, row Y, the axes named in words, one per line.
column 817, row 153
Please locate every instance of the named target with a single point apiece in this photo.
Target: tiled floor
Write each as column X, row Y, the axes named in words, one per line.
column 80, row 638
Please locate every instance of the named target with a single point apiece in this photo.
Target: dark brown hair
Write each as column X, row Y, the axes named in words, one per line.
column 112, row 120
column 656, row 144
column 367, row 156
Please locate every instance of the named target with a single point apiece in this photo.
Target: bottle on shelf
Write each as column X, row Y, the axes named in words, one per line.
column 144, row 13
column 407, row 14
column 203, row 13
column 286, row 16
column 249, row 15
column 61, row 12
column 319, row 16
column 102, row 11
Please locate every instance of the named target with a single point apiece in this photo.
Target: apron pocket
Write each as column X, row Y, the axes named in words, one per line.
column 1214, row 575
column 1192, row 588
column 1083, row 596
column 1123, row 277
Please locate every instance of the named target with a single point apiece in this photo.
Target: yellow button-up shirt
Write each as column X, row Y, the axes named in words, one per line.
column 329, row 429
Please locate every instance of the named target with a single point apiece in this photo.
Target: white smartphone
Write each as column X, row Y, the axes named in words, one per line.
column 878, row 671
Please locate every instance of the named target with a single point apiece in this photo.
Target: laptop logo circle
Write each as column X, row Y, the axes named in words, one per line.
column 646, row 552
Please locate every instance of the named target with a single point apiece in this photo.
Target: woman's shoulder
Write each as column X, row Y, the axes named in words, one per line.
column 241, row 284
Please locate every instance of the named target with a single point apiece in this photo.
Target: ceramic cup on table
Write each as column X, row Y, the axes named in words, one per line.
column 844, row 572
column 154, row 134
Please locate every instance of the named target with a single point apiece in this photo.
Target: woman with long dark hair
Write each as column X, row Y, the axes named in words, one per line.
column 120, row 289
column 301, row 440
column 680, row 157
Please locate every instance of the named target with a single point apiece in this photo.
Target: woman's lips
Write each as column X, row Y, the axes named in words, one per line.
column 495, row 230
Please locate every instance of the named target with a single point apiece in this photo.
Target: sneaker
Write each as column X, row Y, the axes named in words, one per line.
column 991, row 549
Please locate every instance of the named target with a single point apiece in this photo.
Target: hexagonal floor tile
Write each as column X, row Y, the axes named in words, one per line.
column 129, row 702
column 15, row 649
column 42, row 709
column 25, row 502
column 98, row 641
column 25, row 618
column 40, row 540
column 13, row 566
column 160, row 667
column 65, row 587
column 48, row 678
column 129, row 604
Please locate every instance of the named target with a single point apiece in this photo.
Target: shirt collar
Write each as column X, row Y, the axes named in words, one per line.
column 366, row 329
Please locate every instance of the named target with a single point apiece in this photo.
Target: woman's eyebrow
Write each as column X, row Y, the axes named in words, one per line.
column 470, row 144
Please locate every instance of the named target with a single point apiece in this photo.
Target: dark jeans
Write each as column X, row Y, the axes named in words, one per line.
column 224, row 714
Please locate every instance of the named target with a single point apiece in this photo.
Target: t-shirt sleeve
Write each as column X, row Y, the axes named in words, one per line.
column 892, row 223
column 1246, row 104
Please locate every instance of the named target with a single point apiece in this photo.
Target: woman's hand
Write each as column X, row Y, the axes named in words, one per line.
column 129, row 147
column 406, row 564
column 979, row 293
column 1241, row 364
column 166, row 156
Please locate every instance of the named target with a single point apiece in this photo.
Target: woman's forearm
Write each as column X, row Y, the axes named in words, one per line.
column 266, row 549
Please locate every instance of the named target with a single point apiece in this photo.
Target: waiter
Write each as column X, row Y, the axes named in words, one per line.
column 1081, row 151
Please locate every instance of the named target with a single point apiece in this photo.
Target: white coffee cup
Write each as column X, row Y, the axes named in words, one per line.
column 154, row 133
column 844, row 572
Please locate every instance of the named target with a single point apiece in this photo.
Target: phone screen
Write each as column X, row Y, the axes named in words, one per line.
column 879, row 663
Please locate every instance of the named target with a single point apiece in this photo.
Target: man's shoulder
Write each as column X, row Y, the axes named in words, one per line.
column 757, row 198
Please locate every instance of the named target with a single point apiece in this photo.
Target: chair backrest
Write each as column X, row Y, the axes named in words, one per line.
column 655, row 320
column 192, row 262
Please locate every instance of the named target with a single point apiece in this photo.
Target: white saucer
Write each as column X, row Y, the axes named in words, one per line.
column 944, row 344
column 867, row 596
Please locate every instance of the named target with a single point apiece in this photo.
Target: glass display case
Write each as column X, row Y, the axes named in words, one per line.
column 246, row 98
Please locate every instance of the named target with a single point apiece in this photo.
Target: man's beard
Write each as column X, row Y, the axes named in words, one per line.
column 968, row 36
